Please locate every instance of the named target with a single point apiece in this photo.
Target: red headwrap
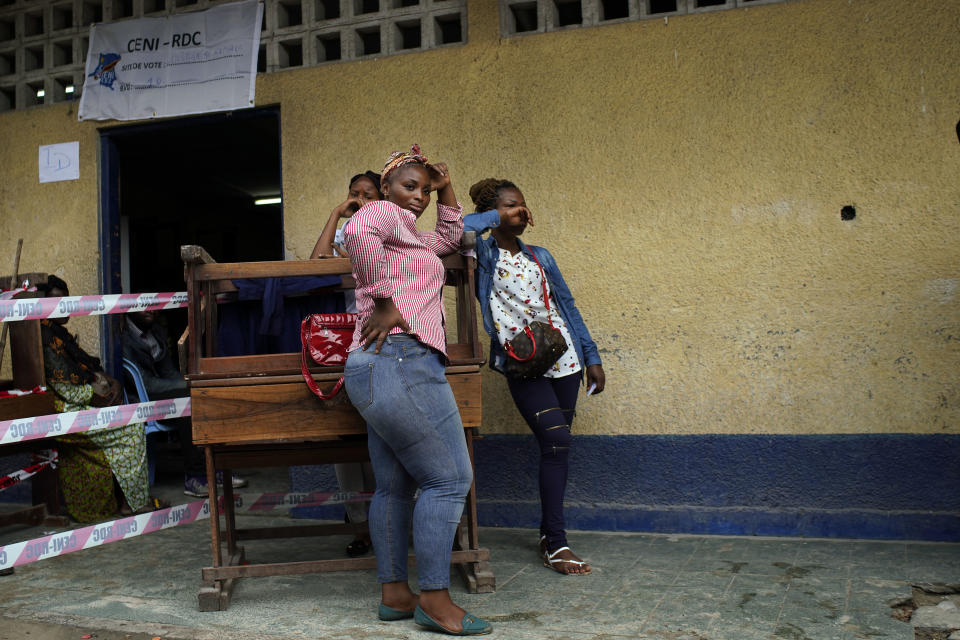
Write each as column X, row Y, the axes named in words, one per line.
column 399, row 158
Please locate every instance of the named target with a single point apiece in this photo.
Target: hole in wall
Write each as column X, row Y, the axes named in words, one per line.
column 849, row 212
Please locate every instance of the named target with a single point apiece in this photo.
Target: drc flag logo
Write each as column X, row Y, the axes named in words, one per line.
column 106, row 69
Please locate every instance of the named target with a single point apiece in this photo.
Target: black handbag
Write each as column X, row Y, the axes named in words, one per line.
column 532, row 353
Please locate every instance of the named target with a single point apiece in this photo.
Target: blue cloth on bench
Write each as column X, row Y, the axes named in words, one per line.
column 265, row 320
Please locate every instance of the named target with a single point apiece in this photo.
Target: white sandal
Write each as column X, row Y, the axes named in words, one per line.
column 549, row 559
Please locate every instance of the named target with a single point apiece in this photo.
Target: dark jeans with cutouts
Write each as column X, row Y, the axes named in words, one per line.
column 548, row 405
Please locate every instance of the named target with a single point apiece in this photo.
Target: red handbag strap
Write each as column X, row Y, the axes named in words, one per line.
column 311, row 383
column 509, row 347
column 546, row 293
column 546, row 301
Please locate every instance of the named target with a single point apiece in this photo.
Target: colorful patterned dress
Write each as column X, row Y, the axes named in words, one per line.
column 90, row 461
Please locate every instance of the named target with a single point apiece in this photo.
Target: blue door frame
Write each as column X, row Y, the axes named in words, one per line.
column 109, row 218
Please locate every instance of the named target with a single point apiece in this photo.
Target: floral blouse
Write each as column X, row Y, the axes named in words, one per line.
column 516, row 300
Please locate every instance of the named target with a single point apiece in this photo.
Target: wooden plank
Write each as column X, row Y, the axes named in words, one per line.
column 256, row 413
column 282, row 268
column 320, row 566
column 26, row 354
column 215, row 596
column 30, row 516
column 287, row 453
column 264, row 364
column 252, row 378
column 266, row 412
column 182, row 346
column 301, row 531
column 279, row 364
column 195, row 254
column 273, row 269
column 194, row 320
column 454, row 261
column 34, row 404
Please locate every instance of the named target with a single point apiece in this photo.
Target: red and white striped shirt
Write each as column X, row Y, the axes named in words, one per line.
column 392, row 259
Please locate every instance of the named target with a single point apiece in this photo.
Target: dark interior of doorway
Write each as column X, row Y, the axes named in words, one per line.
column 195, row 181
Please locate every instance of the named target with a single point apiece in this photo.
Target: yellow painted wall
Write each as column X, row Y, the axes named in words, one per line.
column 688, row 174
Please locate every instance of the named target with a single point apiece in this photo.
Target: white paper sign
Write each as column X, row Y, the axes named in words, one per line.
column 173, row 65
column 60, row 162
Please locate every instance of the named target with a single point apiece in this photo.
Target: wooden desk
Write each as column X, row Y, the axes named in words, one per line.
column 256, row 411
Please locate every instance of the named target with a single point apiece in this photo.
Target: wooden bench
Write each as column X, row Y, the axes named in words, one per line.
column 256, row 411
column 26, row 351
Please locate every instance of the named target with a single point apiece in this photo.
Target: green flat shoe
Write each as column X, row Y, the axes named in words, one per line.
column 389, row 614
column 472, row 626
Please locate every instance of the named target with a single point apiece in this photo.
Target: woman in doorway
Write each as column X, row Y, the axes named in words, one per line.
column 518, row 284
column 362, row 188
column 395, row 377
column 91, row 462
column 351, row 476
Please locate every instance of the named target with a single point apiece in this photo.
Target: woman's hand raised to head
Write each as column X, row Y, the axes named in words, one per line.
column 384, row 318
column 440, row 183
column 515, row 216
column 439, row 176
column 349, row 207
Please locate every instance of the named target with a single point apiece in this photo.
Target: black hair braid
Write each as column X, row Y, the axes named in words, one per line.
column 53, row 282
column 485, row 193
column 373, row 176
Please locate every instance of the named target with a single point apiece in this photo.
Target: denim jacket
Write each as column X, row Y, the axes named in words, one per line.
column 487, row 255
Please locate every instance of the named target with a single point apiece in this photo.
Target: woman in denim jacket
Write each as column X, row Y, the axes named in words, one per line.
column 511, row 293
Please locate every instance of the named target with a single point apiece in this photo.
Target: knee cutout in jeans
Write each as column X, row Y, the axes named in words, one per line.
column 555, row 449
column 538, row 414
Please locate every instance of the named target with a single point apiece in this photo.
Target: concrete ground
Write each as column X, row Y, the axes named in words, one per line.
column 643, row 586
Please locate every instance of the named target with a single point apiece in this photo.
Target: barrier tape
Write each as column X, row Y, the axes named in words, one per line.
column 14, row 393
column 58, row 544
column 9, row 293
column 268, row 501
column 69, row 306
column 17, row 477
column 60, row 424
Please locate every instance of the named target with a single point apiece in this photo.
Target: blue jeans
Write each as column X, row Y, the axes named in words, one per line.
column 416, row 440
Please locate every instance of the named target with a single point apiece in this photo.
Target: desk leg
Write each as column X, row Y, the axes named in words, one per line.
column 229, row 513
column 214, row 595
column 214, row 506
column 478, row 575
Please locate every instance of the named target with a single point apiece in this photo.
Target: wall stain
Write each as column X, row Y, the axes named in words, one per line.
column 745, row 599
column 948, row 334
column 905, row 364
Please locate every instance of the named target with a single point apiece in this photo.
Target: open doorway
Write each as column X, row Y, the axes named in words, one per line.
column 186, row 181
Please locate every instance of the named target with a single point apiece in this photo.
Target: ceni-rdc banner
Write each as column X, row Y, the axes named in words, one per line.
column 173, row 65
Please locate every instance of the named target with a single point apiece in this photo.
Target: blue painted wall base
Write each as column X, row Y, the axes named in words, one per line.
column 837, row 486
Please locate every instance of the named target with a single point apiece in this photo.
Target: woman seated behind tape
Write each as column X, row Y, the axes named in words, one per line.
column 510, row 289
column 89, row 462
column 395, row 377
column 351, row 476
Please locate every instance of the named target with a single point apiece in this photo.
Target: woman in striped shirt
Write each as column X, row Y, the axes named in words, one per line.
column 395, row 377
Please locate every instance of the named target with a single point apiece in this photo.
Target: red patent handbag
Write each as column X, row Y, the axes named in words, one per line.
column 325, row 338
